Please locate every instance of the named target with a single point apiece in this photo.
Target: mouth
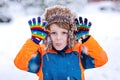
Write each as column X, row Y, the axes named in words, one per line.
column 58, row 44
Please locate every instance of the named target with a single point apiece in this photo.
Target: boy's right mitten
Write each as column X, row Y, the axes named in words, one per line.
column 38, row 30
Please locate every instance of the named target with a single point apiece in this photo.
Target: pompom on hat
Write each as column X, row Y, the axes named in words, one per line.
column 64, row 18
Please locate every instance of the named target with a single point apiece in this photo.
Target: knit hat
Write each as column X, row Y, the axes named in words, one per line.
column 59, row 14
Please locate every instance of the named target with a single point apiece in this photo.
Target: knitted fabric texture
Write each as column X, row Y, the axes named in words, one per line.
column 83, row 27
column 37, row 29
column 59, row 14
column 64, row 18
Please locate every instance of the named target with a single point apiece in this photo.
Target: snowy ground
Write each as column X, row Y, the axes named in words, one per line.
column 105, row 30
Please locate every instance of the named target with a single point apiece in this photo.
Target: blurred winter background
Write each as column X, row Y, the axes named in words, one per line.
column 14, row 31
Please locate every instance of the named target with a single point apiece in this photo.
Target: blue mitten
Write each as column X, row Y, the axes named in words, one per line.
column 38, row 29
column 83, row 27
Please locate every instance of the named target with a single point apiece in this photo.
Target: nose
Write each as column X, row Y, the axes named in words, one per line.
column 59, row 36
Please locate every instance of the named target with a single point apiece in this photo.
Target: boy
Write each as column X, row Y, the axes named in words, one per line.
column 61, row 56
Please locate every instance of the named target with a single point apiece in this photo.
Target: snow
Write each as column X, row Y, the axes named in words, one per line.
column 105, row 29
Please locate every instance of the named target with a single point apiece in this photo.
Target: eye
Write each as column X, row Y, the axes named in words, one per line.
column 53, row 32
column 64, row 32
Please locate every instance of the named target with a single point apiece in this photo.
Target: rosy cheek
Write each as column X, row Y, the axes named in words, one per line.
column 52, row 38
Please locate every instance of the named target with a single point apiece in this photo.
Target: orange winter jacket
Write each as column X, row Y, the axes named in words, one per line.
column 67, row 65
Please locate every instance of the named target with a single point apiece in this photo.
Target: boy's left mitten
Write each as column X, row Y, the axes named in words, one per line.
column 83, row 27
column 38, row 30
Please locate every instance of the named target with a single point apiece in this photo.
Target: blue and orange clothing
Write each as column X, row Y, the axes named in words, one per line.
column 67, row 64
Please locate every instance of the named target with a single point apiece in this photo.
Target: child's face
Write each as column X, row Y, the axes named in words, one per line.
column 58, row 36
